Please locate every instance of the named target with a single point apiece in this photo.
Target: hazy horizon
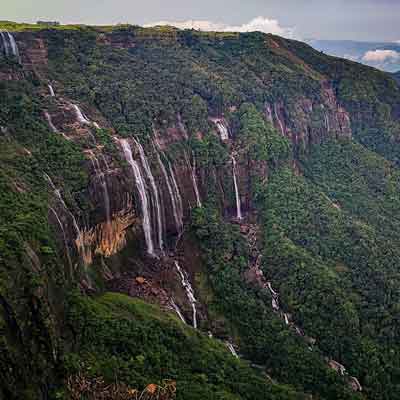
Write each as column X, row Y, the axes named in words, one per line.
column 356, row 20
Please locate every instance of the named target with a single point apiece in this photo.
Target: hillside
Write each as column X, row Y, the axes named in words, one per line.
column 195, row 215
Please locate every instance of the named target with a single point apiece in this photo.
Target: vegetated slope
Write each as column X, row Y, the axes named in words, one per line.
column 218, row 127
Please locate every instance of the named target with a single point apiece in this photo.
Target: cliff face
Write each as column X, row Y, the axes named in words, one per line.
column 126, row 135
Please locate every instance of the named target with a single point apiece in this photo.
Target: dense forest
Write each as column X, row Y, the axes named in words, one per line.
column 195, row 215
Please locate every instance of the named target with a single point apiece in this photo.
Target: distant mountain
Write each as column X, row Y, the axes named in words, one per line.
column 381, row 55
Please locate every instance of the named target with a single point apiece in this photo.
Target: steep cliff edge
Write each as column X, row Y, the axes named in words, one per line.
column 209, row 174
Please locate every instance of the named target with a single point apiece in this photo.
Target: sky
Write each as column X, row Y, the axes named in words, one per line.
column 366, row 20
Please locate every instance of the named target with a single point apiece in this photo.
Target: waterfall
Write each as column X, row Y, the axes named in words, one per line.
column 328, row 128
column 279, row 120
column 53, row 127
column 5, row 44
column 189, row 292
column 222, row 129
column 238, row 205
column 140, row 184
column 84, row 252
column 286, row 317
column 229, row 345
column 81, row 118
column 51, row 90
column 50, row 122
column 194, row 179
column 275, row 304
column 178, row 311
column 177, row 194
column 275, row 294
column 9, row 45
column 64, row 238
column 103, row 182
column 156, row 195
column 14, row 47
column 173, row 194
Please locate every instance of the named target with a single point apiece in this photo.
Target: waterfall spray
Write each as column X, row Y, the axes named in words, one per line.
column 144, row 201
column 156, row 195
column 237, row 196
column 189, row 291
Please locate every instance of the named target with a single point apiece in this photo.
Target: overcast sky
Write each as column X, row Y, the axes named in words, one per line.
column 373, row 20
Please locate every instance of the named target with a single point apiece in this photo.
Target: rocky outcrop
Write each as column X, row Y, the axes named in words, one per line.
column 308, row 121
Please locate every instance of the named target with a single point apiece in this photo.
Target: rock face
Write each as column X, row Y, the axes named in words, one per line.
column 174, row 181
column 298, row 123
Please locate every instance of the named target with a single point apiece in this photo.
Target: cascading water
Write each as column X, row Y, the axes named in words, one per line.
column 174, row 196
column 79, row 115
column 189, row 292
column 279, row 120
column 222, row 129
column 229, row 345
column 50, row 122
column 178, row 311
column 84, row 252
column 144, row 201
column 64, row 239
column 177, row 193
column 14, row 47
column 51, row 90
column 194, row 179
column 100, row 175
column 238, row 205
column 53, row 127
column 156, row 195
column 5, row 44
column 9, row 45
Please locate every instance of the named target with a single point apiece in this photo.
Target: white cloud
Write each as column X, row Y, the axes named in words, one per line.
column 380, row 56
column 261, row 24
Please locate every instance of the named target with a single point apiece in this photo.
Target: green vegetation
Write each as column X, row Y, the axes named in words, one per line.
column 127, row 340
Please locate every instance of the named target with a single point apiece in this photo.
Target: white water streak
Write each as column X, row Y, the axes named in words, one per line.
column 189, row 291
column 144, row 201
column 237, row 195
column 178, row 311
column 51, row 90
column 173, row 196
column 232, row 349
column 156, row 195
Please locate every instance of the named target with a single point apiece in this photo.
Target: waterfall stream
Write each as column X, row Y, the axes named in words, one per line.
column 51, row 90
column 178, row 311
column 9, row 45
column 156, row 195
column 194, row 179
column 80, row 116
column 53, row 127
column 64, row 238
column 144, row 201
column 173, row 194
column 83, row 250
column 189, row 291
column 101, row 176
column 238, row 205
column 229, row 345
column 279, row 120
column 222, row 129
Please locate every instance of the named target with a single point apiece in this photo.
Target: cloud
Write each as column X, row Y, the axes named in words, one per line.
column 261, row 24
column 380, row 56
